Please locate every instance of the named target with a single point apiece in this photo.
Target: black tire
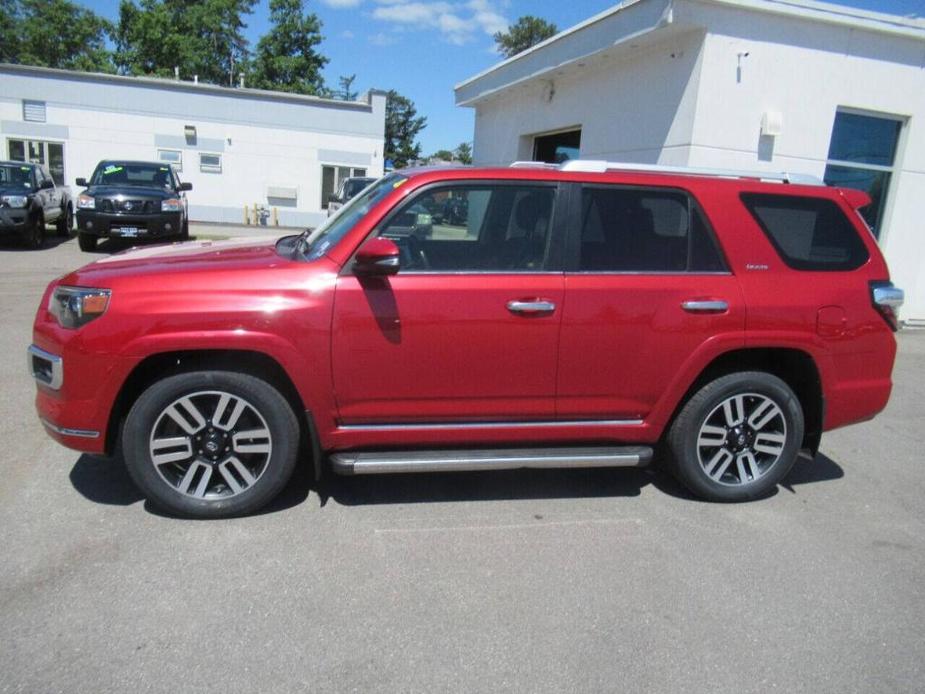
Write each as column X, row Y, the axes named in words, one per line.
column 65, row 222
column 184, row 231
column 87, row 242
column 695, row 451
column 149, row 412
column 35, row 236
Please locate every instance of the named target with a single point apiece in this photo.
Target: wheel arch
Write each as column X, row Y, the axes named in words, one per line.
column 795, row 367
column 258, row 364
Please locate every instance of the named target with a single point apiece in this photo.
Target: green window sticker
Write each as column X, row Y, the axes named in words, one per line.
column 112, row 169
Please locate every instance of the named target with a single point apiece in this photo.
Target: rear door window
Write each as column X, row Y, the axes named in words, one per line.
column 644, row 230
column 808, row 233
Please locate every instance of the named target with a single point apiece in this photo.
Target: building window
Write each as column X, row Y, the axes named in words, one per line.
column 50, row 154
column 33, row 111
column 210, row 163
column 557, row 147
column 862, row 154
column 174, row 157
column 331, row 179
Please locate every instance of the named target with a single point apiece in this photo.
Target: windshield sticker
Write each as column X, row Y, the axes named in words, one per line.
column 399, row 182
column 112, row 169
column 24, row 168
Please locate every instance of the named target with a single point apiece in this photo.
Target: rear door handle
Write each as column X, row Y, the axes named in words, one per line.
column 531, row 308
column 705, row 306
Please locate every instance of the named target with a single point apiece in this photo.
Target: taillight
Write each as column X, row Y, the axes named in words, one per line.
column 887, row 299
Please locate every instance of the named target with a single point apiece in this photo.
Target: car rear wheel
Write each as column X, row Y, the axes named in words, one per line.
column 737, row 437
column 210, row 444
column 87, row 242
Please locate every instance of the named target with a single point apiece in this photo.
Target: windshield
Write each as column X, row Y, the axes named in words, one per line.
column 335, row 228
column 16, row 177
column 122, row 174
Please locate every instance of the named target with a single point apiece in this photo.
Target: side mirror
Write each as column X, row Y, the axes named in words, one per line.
column 333, row 198
column 46, row 184
column 185, row 186
column 81, row 182
column 378, row 256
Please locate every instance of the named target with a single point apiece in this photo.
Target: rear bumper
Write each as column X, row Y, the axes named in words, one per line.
column 859, row 385
column 148, row 225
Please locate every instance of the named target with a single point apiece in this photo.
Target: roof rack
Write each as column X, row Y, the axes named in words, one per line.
column 600, row 166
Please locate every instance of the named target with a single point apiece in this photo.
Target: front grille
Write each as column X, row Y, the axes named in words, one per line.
column 127, row 206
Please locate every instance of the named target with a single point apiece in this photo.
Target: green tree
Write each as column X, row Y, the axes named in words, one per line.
column 286, row 59
column 463, row 153
column 346, row 92
column 402, row 125
column 442, row 155
column 201, row 37
column 522, row 34
column 53, row 33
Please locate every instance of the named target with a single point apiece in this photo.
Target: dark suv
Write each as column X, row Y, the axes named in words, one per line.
column 132, row 200
column 584, row 315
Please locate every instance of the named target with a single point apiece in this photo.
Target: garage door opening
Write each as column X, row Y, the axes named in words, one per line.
column 558, row 147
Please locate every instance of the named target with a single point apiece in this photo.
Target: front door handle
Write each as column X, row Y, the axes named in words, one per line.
column 531, row 308
column 705, row 306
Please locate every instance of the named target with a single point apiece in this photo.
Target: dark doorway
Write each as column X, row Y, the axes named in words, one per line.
column 558, row 147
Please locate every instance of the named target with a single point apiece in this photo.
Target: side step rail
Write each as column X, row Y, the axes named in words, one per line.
column 378, row 462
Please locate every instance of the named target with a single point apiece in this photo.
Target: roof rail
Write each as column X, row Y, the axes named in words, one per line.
column 600, row 166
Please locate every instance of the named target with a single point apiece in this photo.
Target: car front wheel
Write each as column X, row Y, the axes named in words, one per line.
column 87, row 242
column 210, row 444
column 737, row 437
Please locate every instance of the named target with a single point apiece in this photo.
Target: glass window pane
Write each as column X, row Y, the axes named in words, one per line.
column 359, row 172
column 474, row 227
column 626, row 230
column 864, row 139
column 36, row 152
column 808, row 233
column 874, row 183
column 17, row 150
column 327, row 185
column 56, row 162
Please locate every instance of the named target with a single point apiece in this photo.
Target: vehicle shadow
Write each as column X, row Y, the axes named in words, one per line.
column 105, row 481
column 52, row 240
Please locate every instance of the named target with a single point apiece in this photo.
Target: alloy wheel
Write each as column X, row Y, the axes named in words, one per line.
column 210, row 445
column 741, row 439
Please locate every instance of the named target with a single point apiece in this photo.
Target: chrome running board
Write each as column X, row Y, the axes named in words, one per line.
column 378, row 462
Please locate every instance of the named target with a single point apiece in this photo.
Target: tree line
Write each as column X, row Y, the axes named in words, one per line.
column 206, row 38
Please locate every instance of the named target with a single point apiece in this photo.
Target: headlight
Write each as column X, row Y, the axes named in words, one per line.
column 15, row 200
column 171, row 205
column 77, row 306
column 86, row 202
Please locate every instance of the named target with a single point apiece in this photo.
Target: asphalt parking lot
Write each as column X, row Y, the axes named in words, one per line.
column 526, row 581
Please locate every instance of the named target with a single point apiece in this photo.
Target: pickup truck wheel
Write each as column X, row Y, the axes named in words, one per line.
column 184, row 231
column 210, row 444
column 66, row 222
column 737, row 437
column 87, row 242
column 35, row 236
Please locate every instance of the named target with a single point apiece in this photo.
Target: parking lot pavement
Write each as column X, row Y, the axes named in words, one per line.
column 526, row 581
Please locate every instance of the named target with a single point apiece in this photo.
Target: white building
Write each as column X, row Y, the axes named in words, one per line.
column 784, row 85
column 236, row 146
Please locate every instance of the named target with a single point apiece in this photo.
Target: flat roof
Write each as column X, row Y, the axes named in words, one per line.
column 633, row 18
column 187, row 86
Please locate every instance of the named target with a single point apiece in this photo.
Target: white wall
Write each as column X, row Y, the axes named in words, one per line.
column 807, row 71
column 635, row 104
column 263, row 143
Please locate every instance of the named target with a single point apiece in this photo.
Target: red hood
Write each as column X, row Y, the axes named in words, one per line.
column 180, row 259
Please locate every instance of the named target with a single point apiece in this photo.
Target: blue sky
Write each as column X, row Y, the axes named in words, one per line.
column 423, row 47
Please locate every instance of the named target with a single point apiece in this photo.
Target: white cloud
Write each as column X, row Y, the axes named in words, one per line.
column 457, row 23
column 347, row 34
column 341, row 4
column 382, row 39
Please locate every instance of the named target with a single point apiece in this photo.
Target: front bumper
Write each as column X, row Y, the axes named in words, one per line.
column 13, row 219
column 156, row 225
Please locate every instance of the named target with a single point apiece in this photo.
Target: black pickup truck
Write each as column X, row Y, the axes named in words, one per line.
column 29, row 200
column 132, row 200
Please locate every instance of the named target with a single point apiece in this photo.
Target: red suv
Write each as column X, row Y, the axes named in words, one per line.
column 573, row 316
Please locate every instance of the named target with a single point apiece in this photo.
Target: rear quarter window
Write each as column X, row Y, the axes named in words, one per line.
column 808, row 233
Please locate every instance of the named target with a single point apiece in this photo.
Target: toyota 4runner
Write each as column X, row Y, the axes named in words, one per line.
column 589, row 314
